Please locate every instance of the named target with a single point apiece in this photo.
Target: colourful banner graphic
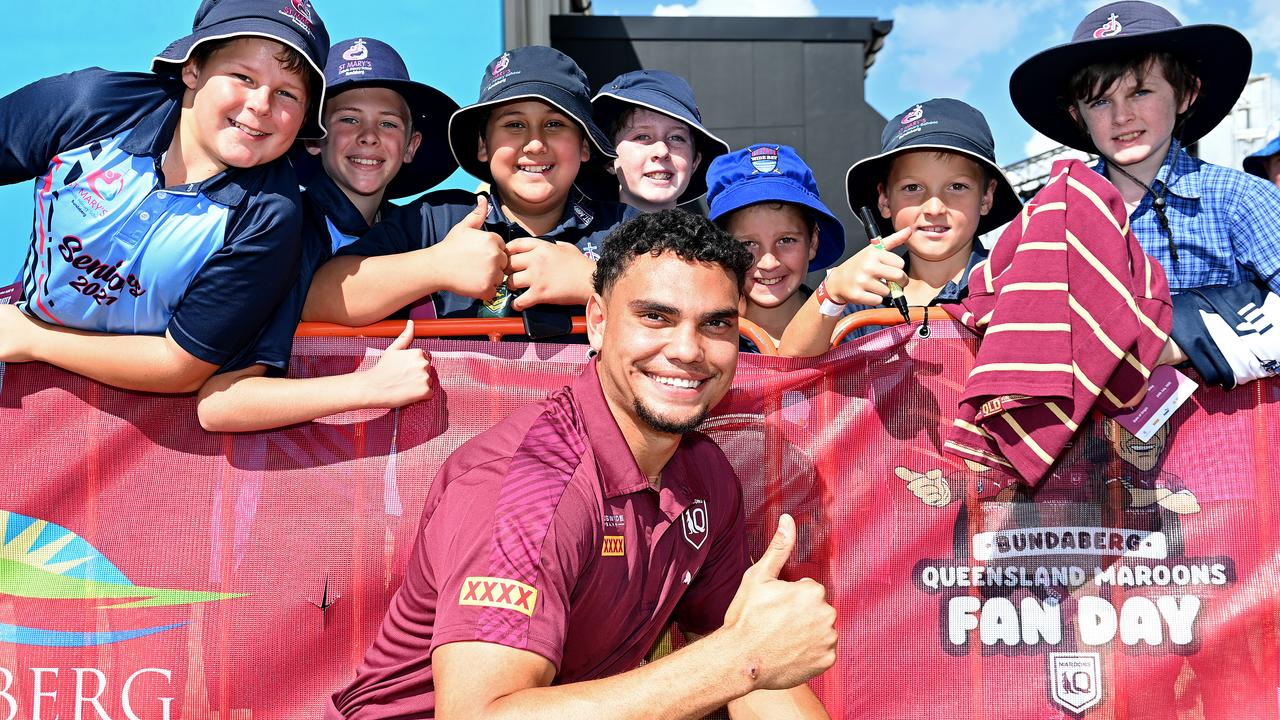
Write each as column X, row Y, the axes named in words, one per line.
column 149, row 569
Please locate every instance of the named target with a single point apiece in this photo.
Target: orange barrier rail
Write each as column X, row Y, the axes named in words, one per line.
column 885, row 317
column 493, row 328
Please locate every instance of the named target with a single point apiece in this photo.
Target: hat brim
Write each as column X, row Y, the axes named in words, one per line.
column 1256, row 163
column 1220, row 56
column 607, row 107
column 779, row 189
column 467, row 124
column 171, row 59
column 864, row 177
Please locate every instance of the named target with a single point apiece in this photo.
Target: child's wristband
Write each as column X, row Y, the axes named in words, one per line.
column 827, row 306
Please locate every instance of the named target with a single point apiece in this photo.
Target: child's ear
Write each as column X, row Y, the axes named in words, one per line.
column 1075, row 115
column 313, row 147
column 586, row 150
column 883, row 202
column 482, row 150
column 988, row 198
column 190, row 74
column 814, row 239
column 1190, row 99
column 411, row 147
column 697, row 160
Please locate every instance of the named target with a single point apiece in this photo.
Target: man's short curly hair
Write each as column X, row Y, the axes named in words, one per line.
column 691, row 237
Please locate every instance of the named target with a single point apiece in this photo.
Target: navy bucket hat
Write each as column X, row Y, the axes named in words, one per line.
column 1220, row 56
column 661, row 92
column 941, row 124
column 773, row 173
column 366, row 62
column 535, row 72
column 291, row 22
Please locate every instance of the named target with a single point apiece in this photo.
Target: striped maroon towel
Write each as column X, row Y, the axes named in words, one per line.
column 1073, row 313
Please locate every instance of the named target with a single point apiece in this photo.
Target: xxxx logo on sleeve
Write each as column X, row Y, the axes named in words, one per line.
column 499, row 593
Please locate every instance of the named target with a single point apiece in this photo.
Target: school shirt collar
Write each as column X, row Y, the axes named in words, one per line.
column 1179, row 174
column 577, row 215
column 953, row 290
column 151, row 138
column 329, row 200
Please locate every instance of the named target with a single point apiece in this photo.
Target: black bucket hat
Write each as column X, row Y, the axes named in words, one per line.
column 661, row 92
column 1220, row 56
column 291, row 22
column 941, row 124
column 535, row 72
column 366, row 62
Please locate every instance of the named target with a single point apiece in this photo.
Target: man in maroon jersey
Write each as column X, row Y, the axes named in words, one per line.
column 556, row 547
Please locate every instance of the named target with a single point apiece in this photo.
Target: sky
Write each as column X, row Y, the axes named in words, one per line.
column 964, row 49
column 967, row 49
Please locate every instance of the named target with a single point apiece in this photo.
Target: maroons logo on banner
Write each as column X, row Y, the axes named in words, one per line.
column 1094, row 557
column 44, row 563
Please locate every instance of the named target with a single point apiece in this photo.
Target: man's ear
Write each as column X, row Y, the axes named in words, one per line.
column 411, row 147
column 595, row 321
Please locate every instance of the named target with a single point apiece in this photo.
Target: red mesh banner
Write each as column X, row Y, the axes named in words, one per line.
column 149, row 569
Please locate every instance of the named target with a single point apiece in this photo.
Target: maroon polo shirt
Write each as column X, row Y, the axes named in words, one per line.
column 542, row 534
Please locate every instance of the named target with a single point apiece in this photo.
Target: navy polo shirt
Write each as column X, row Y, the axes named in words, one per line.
column 330, row 223
column 428, row 219
column 113, row 249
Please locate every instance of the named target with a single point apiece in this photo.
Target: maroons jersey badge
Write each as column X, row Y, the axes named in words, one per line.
column 694, row 522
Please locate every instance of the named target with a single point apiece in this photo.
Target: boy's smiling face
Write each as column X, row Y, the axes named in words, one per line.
column 781, row 245
column 242, row 107
column 533, row 151
column 1132, row 122
column 369, row 140
column 941, row 196
column 656, row 160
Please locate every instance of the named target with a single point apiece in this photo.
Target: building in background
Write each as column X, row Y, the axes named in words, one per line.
column 1253, row 121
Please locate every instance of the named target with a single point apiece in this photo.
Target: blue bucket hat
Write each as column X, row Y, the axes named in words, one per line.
column 291, row 22
column 941, row 124
column 535, row 72
column 1256, row 164
column 1220, row 56
column 366, row 62
column 661, row 92
column 773, row 173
